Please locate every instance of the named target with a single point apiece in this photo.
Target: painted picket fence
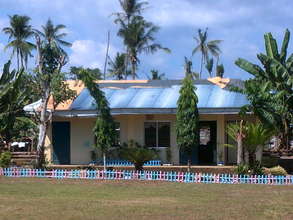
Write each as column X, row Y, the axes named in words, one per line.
column 149, row 175
column 127, row 163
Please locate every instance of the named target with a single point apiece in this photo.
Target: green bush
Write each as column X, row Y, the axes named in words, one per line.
column 242, row 169
column 5, row 159
column 256, row 169
column 277, row 171
column 137, row 154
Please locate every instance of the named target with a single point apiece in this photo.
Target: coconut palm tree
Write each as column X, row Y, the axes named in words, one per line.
column 206, row 47
column 138, row 36
column 117, row 67
column 156, row 75
column 19, row 32
column 130, row 9
column 52, row 35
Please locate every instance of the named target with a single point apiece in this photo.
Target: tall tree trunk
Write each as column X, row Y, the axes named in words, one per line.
column 133, row 69
column 201, row 64
column 258, row 153
column 240, row 144
column 42, row 128
column 17, row 58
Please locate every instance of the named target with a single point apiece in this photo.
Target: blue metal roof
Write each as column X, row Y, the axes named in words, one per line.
column 210, row 96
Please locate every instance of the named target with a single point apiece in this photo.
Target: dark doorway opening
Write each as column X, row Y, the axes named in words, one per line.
column 61, row 142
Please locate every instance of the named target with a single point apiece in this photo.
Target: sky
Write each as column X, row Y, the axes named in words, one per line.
column 240, row 24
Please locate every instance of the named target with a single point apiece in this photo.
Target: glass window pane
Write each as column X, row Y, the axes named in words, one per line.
column 150, row 134
column 164, row 134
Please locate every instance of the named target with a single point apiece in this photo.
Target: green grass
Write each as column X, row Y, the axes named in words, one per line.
column 32, row 198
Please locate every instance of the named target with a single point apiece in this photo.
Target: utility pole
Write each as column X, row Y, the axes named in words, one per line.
column 107, row 54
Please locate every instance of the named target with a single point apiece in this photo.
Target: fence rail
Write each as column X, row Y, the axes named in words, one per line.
column 148, row 175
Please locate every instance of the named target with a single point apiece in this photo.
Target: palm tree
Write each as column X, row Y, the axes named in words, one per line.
column 206, row 47
column 209, row 66
column 51, row 34
column 130, row 9
column 138, row 36
column 188, row 69
column 117, row 67
column 156, row 75
column 19, row 31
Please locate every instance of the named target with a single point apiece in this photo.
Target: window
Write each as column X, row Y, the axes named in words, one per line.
column 157, row 134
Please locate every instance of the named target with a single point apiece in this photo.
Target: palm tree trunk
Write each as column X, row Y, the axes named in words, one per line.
column 133, row 69
column 201, row 64
column 17, row 57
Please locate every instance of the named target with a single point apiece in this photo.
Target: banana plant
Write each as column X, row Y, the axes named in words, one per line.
column 270, row 92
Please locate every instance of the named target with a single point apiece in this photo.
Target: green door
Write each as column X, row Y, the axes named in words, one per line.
column 61, row 142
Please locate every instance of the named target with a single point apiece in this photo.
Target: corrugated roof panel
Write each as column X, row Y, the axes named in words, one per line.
column 167, row 98
column 210, row 96
column 145, row 97
column 203, row 93
column 122, row 97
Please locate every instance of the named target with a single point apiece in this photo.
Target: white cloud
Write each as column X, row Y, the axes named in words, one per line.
column 89, row 53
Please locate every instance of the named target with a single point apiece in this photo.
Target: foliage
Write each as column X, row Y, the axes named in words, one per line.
column 104, row 129
column 209, row 66
column 13, row 97
column 256, row 168
column 5, row 159
column 277, row 171
column 137, row 154
column 50, row 59
column 272, row 102
column 245, row 169
column 19, row 31
column 187, row 117
column 255, row 135
column 51, row 34
column 117, row 67
column 188, row 69
column 242, row 169
column 156, row 75
column 220, row 70
column 136, row 32
column 206, row 48
column 269, row 161
column 74, row 72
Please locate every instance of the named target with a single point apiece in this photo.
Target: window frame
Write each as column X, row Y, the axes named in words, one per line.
column 157, row 132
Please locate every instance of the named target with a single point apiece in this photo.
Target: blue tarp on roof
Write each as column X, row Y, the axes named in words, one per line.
column 209, row 95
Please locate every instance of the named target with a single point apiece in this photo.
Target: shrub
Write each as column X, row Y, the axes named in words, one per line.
column 277, row 171
column 256, row 168
column 242, row 169
column 269, row 161
column 137, row 154
column 5, row 159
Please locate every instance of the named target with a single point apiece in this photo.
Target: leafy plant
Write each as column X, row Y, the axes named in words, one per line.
column 137, row 154
column 5, row 159
column 277, row 171
column 270, row 91
column 187, row 126
column 242, row 169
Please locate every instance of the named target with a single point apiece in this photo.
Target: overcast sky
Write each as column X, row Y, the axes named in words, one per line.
column 240, row 24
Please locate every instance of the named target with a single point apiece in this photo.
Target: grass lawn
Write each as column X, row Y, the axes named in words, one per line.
column 32, row 198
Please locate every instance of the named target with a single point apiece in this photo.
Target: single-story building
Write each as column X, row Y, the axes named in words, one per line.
column 145, row 111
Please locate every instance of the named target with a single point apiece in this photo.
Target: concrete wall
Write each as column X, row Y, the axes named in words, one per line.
column 131, row 128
